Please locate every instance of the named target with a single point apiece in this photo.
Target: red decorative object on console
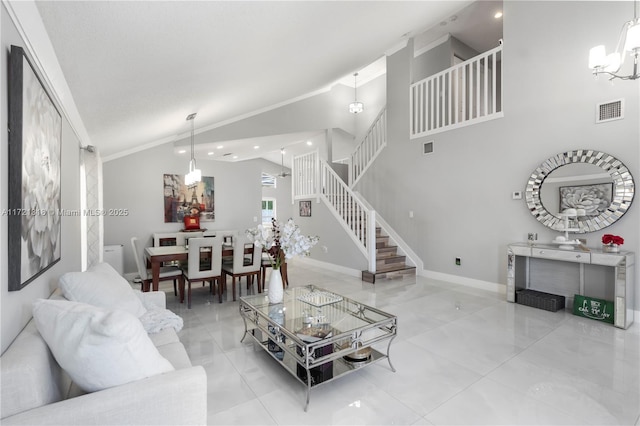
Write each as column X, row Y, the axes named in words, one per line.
column 191, row 222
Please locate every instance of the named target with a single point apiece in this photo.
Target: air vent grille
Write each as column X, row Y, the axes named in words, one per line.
column 427, row 148
column 608, row 111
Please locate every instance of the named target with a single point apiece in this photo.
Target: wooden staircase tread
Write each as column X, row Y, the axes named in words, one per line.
column 389, row 275
column 402, row 268
column 392, row 268
column 388, row 263
column 391, row 259
column 386, row 253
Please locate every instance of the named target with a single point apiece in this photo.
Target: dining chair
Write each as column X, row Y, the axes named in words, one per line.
column 204, row 264
column 227, row 237
column 166, row 272
column 183, row 238
column 162, row 239
column 241, row 266
column 165, row 239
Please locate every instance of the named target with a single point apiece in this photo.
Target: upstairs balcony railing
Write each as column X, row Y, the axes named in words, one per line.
column 305, row 176
column 464, row 94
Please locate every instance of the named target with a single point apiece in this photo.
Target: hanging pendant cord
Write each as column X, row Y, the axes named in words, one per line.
column 193, row 157
column 355, row 86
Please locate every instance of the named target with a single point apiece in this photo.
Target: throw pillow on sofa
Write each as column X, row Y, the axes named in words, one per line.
column 98, row 348
column 101, row 286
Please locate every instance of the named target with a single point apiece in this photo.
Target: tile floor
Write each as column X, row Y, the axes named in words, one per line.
column 463, row 356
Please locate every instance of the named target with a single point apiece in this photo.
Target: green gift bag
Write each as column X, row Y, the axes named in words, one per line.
column 596, row 309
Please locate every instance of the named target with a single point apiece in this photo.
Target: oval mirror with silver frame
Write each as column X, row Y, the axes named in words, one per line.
column 598, row 186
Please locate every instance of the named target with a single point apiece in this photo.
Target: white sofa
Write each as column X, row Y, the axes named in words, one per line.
column 35, row 390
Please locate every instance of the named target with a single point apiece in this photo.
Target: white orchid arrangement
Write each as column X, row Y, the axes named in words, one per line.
column 279, row 239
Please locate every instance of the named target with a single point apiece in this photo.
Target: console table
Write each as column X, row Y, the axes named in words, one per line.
column 592, row 273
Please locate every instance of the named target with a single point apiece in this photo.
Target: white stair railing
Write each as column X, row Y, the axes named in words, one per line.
column 353, row 215
column 367, row 151
column 464, row 94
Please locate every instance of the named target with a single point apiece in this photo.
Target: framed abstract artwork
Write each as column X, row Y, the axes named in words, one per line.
column 35, row 140
column 181, row 200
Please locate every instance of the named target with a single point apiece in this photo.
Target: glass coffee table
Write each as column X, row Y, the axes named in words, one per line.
column 318, row 335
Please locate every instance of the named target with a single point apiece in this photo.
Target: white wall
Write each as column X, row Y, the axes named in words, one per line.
column 461, row 193
column 16, row 305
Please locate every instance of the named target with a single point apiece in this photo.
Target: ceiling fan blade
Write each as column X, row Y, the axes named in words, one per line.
column 282, row 174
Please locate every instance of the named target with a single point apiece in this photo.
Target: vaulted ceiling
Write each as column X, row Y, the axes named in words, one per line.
column 136, row 69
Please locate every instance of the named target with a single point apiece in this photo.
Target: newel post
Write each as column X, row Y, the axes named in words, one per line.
column 371, row 240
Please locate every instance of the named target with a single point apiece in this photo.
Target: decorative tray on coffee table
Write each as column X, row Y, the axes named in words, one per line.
column 319, row 298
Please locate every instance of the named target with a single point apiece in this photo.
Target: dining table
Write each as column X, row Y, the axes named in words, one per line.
column 156, row 256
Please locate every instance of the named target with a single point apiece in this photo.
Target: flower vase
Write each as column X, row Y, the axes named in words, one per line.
column 276, row 291
column 611, row 248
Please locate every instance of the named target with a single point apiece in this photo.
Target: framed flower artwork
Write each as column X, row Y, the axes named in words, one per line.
column 35, row 136
column 593, row 199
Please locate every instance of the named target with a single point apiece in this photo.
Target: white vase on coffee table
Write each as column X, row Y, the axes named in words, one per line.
column 275, row 289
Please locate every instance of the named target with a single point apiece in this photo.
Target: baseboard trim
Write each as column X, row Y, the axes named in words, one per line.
column 330, row 266
column 469, row 282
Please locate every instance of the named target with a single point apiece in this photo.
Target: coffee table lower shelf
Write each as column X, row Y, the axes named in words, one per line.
column 314, row 353
column 330, row 370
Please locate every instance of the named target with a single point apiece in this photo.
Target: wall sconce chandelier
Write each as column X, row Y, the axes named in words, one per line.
column 195, row 175
column 629, row 41
column 355, row 107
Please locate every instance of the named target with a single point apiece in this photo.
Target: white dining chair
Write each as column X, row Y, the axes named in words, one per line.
column 241, row 266
column 183, row 238
column 166, row 272
column 165, row 239
column 204, row 264
column 227, row 236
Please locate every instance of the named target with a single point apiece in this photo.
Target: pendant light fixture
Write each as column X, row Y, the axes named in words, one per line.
column 355, row 107
column 195, row 175
column 629, row 41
